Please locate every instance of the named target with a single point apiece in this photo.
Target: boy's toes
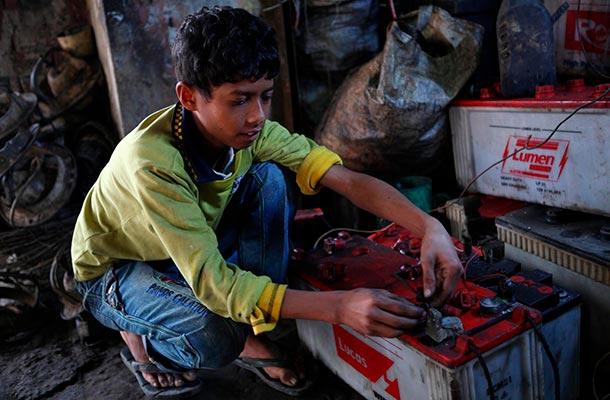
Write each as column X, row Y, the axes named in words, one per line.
column 289, row 378
column 190, row 375
column 162, row 380
column 152, row 379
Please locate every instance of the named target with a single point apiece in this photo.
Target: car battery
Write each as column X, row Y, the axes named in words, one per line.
column 574, row 248
column 580, row 49
column 560, row 308
column 475, row 347
column 569, row 169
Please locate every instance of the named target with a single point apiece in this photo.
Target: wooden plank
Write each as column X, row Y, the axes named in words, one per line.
column 282, row 106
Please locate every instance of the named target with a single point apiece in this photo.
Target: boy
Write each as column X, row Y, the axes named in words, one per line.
column 182, row 243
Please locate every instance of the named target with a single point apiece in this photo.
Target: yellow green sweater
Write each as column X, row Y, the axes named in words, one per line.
column 149, row 204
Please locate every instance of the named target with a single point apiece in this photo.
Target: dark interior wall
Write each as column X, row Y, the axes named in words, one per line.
column 136, row 51
column 27, row 29
column 133, row 39
column 139, row 37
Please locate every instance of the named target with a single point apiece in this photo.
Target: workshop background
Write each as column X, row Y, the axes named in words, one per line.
column 493, row 116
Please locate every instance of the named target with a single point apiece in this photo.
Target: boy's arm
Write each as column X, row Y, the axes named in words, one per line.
column 374, row 311
column 440, row 263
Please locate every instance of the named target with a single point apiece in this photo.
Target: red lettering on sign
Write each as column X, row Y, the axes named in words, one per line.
column 589, row 29
column 544, row 161
column 363, row 358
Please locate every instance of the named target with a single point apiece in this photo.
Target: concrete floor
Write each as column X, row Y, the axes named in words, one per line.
column 50, row 362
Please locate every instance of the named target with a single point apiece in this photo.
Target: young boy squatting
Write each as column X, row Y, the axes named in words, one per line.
column 182, row 243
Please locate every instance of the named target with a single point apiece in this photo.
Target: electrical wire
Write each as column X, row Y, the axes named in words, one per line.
column 607, row 396
column 470, row 260
column 525, row 147
column 549, row 354
column 492, row 394
column 348, row 230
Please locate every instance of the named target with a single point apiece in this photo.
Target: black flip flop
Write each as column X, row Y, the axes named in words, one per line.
column 190, row 388
column 256, row 365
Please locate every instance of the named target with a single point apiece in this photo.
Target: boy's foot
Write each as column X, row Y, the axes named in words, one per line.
column 155, row 379
column 270, row 364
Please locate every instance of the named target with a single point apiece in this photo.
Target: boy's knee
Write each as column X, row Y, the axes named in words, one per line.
column 220, row 342
column 270, row 174
column 275, row 181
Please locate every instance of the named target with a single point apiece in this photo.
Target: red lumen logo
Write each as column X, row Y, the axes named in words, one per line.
column 591, row 29
column 369, row 362
column 545, row 162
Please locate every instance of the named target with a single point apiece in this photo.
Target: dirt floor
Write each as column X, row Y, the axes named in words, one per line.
column 43, row 357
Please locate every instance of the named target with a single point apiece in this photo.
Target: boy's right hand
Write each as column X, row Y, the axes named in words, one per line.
column 377, row 312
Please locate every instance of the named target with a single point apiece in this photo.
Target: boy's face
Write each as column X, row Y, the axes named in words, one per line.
column 233, row 115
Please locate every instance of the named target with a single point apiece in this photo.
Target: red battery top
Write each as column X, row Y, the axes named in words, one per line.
column 388, row 260
column 572, row 94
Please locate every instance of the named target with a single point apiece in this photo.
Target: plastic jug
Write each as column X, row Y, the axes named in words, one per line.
column 525, row 47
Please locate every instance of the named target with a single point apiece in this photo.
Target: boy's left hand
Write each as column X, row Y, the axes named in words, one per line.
column 440, row 263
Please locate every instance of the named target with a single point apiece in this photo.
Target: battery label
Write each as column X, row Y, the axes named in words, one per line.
column 588, row 30
column 545, row 161
column 363, row 358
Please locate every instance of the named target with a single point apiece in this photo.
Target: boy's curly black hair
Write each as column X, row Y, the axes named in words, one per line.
column 223, row 44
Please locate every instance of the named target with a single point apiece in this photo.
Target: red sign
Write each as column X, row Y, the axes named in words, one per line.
column 363, row 358
column 588, row 29
column 544, row 162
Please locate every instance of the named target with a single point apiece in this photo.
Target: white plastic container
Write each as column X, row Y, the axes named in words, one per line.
column 571, row 170
column 390, row 369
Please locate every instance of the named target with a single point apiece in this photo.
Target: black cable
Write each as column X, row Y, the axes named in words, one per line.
column 492, row 394
column 607, row 395
column 549, row 354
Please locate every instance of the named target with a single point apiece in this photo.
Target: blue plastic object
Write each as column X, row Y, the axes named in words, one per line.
column 526, row 54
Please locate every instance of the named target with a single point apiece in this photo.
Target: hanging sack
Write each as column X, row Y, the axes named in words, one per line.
column 389, row 117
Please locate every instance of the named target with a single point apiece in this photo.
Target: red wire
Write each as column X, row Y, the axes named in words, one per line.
column 468, row 262
column 394, row 17
column 466, row 267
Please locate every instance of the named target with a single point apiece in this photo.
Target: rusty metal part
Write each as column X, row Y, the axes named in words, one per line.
column 440, row 328
column 332, row 271
column 29, row 249
column 92, row 149
column 38, row 74
column 71, row 85
column 62, row 284
column 5, row 101
column 38, row 185
column 17, row 289
column 64, row 73
column 53, row 128
column 78, row 41
column 332, row 244
column 19, row 110
column 14, row 148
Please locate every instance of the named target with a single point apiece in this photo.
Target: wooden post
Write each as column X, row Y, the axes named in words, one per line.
column 274, row 12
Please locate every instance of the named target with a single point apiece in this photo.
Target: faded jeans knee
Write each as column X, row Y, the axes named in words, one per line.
column 220, row 342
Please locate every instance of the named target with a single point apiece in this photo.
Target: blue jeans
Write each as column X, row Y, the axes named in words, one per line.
column 154, row 301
